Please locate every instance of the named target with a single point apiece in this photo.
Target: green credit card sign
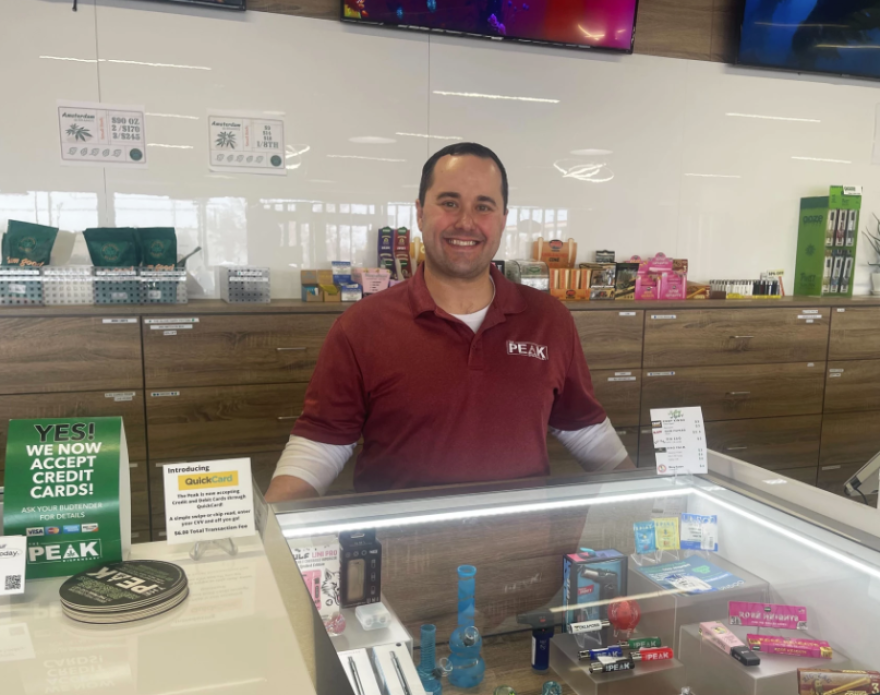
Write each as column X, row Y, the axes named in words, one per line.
column 64, row 479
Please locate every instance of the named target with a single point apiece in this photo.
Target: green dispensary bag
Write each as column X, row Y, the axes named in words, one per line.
column 27, row 244
column 113, row 248
column 158, row 246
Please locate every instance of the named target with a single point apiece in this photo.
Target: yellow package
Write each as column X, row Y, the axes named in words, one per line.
column 666, row 533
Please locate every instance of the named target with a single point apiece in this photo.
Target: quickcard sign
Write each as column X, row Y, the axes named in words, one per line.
column 63, row 483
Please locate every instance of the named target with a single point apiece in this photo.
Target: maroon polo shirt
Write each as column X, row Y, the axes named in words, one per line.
column 438, row 404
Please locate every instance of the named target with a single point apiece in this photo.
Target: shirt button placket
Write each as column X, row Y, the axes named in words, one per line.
column 475, row 359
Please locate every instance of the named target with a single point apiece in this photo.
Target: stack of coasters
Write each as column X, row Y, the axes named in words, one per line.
column 122, row 592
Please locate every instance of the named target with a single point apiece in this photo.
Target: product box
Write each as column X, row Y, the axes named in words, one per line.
column 318, row 277
column 351, row 293
column 590, row 576
column 625, row 280
column 555, row 253
column 384, row 252
column 361, row 568
column 604, row 256
column 827, row 243
column 331, row 293
column 20, row 286
column 767, row 615
column 787, row 646
column 570, row 283
column 318, row 563
column 661, row 277
column 402, row 269
column 372, row 280
column 312, row 293
column 341, row 272
column 241, row 284
column 814, row 680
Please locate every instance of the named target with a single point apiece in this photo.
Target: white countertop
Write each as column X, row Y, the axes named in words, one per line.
column 231, row 636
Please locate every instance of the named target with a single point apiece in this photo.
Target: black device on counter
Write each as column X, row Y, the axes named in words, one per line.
column 360, row 577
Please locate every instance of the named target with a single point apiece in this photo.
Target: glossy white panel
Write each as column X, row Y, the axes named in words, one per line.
column 659, row 163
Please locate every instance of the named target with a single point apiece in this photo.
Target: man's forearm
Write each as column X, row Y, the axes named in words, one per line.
column 285, row 488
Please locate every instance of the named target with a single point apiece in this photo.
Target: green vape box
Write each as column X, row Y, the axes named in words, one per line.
column 827, row 238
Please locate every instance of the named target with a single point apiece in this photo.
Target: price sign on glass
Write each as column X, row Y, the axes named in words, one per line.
column 679, row 440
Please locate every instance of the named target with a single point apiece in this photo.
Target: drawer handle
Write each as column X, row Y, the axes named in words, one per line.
column 621, row 432
column 739, row 393
column 735, row 448
column 289, row 417
column 286, row 349
column 831, row 468
column 741, row 337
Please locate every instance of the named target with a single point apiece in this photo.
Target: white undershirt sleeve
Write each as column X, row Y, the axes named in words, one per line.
column 316, row 463
column 597, row 447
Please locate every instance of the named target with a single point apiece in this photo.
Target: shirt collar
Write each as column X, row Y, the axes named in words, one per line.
column 507, row 297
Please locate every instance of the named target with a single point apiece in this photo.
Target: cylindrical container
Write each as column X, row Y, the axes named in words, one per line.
column 541, row 648
column 466, row 591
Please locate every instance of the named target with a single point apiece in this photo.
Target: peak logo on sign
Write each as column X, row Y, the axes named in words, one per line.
column 196, row 482
column 527, row 350
column 65, row 552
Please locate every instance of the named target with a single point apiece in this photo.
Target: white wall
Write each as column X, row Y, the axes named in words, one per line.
column 688, row 178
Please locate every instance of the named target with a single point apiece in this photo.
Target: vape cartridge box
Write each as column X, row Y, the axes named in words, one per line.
column 591, row 576
column 827, row 243
column 814, row 680
column 360, row 581
column 318, row 563
column 359, row 670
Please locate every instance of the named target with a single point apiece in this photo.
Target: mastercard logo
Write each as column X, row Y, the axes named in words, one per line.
column 53, row 530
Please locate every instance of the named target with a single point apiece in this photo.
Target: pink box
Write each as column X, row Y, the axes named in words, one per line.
column 661, row 277
column 775, row 615
column 784, row 646
column 720, row 636
column 371, row 279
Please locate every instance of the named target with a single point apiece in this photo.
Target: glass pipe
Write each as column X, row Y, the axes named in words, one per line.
column 551, row 688
column 465, row 643
column 428, row 674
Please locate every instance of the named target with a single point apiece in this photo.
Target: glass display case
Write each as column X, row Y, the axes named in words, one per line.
column 730, row 583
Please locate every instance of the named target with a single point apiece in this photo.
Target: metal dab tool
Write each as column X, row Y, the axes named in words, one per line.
column 357, row 679
column 400, row 676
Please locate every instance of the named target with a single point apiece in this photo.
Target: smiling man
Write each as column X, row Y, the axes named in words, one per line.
column 455, row 375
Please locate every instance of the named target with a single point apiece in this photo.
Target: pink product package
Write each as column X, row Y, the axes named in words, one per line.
column 720, row 636
column 371, row 279
column 767, row 615
column 661, row 277
column 784, row 646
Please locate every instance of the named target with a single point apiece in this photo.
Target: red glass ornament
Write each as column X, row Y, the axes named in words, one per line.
column 624, row 615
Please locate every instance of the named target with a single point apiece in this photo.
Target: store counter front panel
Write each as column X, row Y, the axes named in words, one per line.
column 621, row 583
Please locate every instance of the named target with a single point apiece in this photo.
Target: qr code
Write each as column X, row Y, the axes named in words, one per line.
column 13, row 582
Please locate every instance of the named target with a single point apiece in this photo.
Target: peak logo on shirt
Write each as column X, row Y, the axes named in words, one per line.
column 527, row 350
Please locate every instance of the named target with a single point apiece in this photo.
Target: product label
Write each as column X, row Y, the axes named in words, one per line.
column 626, row 313
column 809, row 317
column 621, row 378
column 663, row 317
column 170, row 327
column 151, row 321
column 169, row 333
column 13, row 555
column 699, row 532
column 645, row 537
column 119, row 320
column 774, row 615
column 661, row 373
column 588, row 626
column 666, row 533
column 164, row 394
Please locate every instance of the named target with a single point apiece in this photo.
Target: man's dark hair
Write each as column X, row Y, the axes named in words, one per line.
column 457, row 150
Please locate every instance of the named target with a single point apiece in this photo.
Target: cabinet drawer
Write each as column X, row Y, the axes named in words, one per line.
column 563, row 464
column 239, row 349
column 611, row 339
column 777, row 443
column 737, row 393
column 40, row 355
column 619, row 392
column 130, row 407
column 734, row 336
column 832, row 478
column 140, row 495
column 855, row 333
column 849, row 439
column 262, row 467
column 221, row 422
column 852, row 386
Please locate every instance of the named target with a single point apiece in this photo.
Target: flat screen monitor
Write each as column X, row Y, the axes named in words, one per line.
column 841, row 37
column 604, row 24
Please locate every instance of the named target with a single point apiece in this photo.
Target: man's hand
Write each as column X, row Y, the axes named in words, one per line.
column 285, row 488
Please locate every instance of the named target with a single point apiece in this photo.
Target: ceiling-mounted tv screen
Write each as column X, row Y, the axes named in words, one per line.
column 606, row 24
column 836, row 36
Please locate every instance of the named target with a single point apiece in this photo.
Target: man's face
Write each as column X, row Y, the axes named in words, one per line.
column 463, row 217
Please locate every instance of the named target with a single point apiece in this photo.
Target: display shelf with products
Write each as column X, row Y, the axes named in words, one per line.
column 560, row 566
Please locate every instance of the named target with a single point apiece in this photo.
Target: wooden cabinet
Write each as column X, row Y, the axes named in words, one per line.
column 855, row 333
column 777, row 443
column 233, row 349
column 805, row 475
column 140, row 501
column 833, row 478
column 611, row 339
column 737, row 392
column 221, row 421
column 619, row 392
column 735, row 336
column 129, row 405
column 43, row 355
column 849, row 439
column 852, row 386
